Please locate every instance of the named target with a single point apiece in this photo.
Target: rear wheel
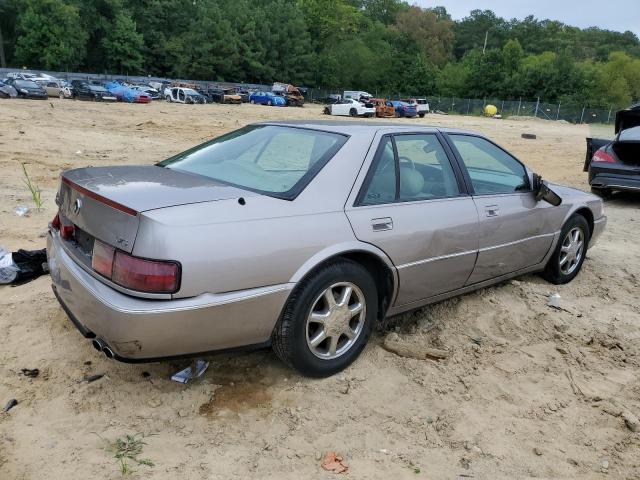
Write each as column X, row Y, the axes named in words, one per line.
column 570, row 252
column 327, row 320
column 421, row 115
column 326, row 111
column 269, row 103
column 252, row 102
column 353, row 112
column 61, row 96
column 168, row 98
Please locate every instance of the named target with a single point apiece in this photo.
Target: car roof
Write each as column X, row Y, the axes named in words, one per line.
column 361, row 126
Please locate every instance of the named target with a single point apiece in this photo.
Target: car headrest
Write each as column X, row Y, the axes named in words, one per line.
column 411, row 181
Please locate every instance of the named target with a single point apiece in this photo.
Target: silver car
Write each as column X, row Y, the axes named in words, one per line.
column 302, row 235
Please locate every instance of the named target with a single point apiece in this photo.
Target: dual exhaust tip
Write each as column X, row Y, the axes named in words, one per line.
column 100, row 346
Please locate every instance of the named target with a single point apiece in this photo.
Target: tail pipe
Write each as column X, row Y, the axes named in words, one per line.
column 100, row 346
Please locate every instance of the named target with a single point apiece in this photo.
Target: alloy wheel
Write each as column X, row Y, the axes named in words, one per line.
column 336, row 320
column 571, row 251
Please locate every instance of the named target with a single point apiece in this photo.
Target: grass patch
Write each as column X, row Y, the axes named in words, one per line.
column 34, row 190
column 127, row 450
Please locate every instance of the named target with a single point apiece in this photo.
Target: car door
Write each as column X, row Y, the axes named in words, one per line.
column 413, row 205
column 515, row 232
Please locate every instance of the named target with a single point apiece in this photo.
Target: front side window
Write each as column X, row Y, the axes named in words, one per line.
column 425, row 169
column 492, row 170
column 274, row 160
column 420, row 171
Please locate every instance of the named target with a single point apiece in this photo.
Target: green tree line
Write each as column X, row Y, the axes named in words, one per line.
column 374, row 45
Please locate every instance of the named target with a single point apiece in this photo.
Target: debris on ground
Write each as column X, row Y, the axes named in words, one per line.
column 335, row 463
column 10, row 404
column 197, row 368
column 21, row 210
column 394, row 344
column 22, row 266
column 30, row 372
column 529, row 136
column 92, row 378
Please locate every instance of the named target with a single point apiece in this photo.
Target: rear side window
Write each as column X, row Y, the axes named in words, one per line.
column 381, row 186
column 492, row 170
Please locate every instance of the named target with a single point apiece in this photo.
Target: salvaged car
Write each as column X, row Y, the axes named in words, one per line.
column 384, row 108
column 404, row 109
column 291, row 94
column 615, row 164
column 184, row 95
column 350, row 107
column 7, row 90
column 267, row 98
column 219, row 95
column 302, row 235
column 421, row 104
column 83, row 90
column 27, row 88
column 53, row 87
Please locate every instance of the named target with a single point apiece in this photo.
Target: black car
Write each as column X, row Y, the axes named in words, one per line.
column 27, row 89
column 88, row 91
column 615, row 164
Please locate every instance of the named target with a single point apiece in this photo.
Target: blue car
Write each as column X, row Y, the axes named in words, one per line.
column 404, row 109
column 267, row 98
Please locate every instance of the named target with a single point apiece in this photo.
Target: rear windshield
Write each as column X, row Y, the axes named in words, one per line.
column 274, row 160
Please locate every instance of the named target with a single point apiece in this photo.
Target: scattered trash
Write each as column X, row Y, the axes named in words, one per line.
column 529, row 136
column 31, row 264
column 92, row 378
column 334, row 463
column 78, row 152
column 10, row 404
column 197, row 366
column 21, row 210
column 8, row 269
column 554, row 301
column 31, row 373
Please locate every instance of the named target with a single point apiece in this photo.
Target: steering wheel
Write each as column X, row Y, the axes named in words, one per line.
column 407, row 160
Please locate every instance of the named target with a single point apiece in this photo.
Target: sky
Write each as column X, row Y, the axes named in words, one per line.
column 619, row 15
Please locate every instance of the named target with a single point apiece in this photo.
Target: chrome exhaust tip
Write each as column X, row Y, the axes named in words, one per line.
column 97, row 344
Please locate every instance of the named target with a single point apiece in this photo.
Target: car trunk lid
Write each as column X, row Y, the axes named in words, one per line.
column 106, row 202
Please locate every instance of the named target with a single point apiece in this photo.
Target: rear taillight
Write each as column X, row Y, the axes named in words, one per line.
column 67, row 229
column 102, row 258
column 150, row 276
column 55, row 223
column 602, row 156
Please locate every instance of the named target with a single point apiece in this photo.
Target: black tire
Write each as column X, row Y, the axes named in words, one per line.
column 326, row 111
column 289, row 338
column 421, row 115
column 270, row 103
column 552, row 271
column 353, row 112
column 604, row 193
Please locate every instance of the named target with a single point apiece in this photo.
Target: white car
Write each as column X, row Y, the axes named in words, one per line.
column 350, row 107
column 422, row 106
column 184, row 95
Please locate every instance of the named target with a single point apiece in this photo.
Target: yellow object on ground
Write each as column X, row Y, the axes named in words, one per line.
column 490, row 110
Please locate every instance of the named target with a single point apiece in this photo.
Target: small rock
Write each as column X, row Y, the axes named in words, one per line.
column 154, row 402
column 562, row 350
column 631, row 421
column 572, row 461
column 537, row 451
column 604, row 466
column 10, row 404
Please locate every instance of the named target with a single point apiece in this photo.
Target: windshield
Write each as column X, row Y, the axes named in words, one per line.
column 274, row 160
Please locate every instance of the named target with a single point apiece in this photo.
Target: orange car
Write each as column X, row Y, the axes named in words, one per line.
column 384, row 108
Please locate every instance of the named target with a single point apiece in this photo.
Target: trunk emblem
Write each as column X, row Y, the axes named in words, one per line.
column 77, row 205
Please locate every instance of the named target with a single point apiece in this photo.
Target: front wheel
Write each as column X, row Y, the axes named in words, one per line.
column 421, row 115
column 570, row 252
column 326, row 111
column 269, row 103
column 61, row 96
column 168, row 98
column 327, row 320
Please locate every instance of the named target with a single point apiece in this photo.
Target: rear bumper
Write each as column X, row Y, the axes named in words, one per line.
column 617, row 178
column 139, row 330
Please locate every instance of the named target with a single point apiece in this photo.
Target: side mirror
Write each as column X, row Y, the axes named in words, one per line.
column 542, row 191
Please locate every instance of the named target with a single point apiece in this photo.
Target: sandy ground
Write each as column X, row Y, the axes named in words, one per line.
column 528, row 391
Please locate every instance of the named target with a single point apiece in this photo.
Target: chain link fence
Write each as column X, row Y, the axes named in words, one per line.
column 506, row 108
column 449, row 105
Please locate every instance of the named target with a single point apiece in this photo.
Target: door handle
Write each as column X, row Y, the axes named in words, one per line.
column 492, row 210
column 381, row 224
